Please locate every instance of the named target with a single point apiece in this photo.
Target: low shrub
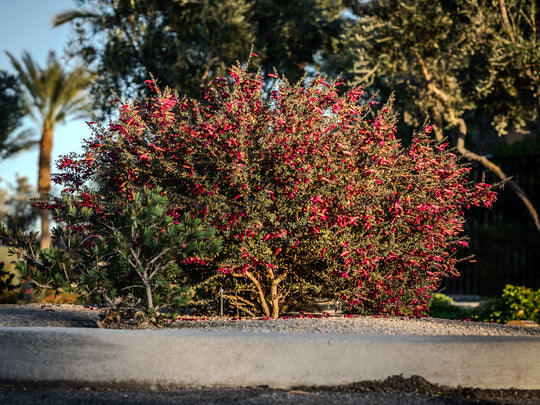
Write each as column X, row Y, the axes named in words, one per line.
column 122, row 253
column 442, row 306
column 7, row 278
column 9, row 282
column 515, row 303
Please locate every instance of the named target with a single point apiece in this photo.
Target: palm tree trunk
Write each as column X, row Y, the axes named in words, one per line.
column 44, row 180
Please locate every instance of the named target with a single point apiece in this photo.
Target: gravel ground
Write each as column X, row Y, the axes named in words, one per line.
column 53, row 315
column 65, row 315
column 365, row 325
column 394, row 390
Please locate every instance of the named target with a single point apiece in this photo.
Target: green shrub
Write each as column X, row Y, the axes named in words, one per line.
column 442, row 306
column 9, row 283
column 516, row 303
column 125, row 253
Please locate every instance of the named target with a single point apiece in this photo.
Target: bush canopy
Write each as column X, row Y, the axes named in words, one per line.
column 308, row 188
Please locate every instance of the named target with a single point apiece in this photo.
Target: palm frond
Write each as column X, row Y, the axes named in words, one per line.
column 20, row 141
column 69, row 16
column 53, row 93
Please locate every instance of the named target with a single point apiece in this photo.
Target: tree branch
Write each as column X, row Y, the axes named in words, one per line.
column 462, row 127
column 506, row 21
column 492, row 167
column 243, row 300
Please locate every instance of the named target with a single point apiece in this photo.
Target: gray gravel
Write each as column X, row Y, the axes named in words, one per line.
column 365, row 325
column 53, row 315
column 66, row 315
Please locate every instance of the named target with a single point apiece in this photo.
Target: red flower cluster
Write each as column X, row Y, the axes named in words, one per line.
column 310, row 190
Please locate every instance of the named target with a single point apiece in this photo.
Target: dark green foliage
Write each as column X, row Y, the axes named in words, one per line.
column 11, row 114
column 516, row 303
column 187, row 43
column 150, row 245
column 6, row 278
column 48, row 268
column 10, row 290
column 133, row 252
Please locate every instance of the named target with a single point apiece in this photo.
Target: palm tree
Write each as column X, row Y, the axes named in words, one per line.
column 52, row 96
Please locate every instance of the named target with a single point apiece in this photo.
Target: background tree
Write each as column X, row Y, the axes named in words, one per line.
column 11, row 114
column 15, row 206
column 507, row 36
column 469, row 66
column 186, row 43
column 52, row 95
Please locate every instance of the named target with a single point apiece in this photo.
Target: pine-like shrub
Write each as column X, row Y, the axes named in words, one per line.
column 122, row 253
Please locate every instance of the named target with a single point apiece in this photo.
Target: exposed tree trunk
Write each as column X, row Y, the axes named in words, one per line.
column 492, row 167
column 275, row 300
column 44, row 180
column 274, row 296
column 262, row 298
column 462, row 126
column 148, row 289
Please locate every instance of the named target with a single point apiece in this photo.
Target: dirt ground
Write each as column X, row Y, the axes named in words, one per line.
column 392, row 391
column 418, row 385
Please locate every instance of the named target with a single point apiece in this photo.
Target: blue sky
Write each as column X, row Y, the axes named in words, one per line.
column 26, row 25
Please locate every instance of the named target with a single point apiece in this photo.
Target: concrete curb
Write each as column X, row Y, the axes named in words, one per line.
column 191, row 357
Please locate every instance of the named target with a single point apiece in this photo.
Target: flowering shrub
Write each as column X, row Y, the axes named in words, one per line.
column 310, row 190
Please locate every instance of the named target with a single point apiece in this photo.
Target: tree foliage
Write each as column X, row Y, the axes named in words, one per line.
column 471, row 66
column 16, row 210
column 186, row 43
column 11, row 114
column 310, row 190
column 462, row 58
